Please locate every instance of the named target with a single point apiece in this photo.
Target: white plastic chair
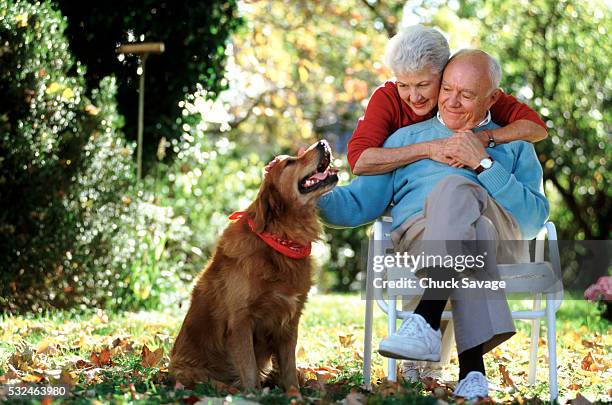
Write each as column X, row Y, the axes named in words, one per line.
column 537, row 277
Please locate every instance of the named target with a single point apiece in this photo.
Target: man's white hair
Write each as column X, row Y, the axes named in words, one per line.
column 415, row 48
column 495, row 72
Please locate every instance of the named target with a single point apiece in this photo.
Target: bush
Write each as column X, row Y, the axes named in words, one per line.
column 209, row 179
column 67, row 173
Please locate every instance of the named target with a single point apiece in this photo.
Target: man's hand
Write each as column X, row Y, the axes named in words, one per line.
column 435, row 151
column 465, row 148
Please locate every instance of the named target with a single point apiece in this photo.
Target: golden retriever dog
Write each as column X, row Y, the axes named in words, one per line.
column 242, row 325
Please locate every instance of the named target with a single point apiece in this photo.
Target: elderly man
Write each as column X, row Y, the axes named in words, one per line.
column 497, row 195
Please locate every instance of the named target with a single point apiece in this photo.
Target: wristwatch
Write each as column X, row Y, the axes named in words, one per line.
column 492, row 142
column 484, row 164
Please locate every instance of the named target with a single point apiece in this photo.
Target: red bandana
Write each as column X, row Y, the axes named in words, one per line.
column 287, row 247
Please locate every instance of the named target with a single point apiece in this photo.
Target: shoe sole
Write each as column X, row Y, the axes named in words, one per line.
column 402, row 356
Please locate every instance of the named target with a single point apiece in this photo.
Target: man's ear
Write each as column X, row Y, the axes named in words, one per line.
column 495, row 95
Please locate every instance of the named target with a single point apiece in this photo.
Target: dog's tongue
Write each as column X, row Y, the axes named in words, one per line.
column 320, row 176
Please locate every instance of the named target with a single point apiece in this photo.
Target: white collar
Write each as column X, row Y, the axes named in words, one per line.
column 484, row 122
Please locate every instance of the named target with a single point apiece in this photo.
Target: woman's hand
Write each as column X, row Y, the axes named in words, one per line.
column 436, row 152
column 464, row 147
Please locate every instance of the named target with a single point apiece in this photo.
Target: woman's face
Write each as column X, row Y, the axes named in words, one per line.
column 419, row 89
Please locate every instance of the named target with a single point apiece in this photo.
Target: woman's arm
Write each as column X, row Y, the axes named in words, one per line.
column 382, row 160
column 521, row 130
column 517, row 120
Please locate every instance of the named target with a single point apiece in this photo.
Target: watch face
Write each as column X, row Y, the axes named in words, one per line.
column 486, row 163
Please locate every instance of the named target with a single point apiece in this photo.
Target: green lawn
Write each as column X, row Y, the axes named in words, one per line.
column 100, row 355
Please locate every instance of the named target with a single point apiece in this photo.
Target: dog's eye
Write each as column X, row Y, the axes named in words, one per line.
column 290, row 162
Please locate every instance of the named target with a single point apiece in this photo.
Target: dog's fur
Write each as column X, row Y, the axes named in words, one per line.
column 242, row 325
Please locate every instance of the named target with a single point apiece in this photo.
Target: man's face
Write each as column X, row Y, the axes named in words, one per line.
column 419, row 89
column 466, row 93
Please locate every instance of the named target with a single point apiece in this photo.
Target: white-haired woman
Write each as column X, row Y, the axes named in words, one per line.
column 417, row 56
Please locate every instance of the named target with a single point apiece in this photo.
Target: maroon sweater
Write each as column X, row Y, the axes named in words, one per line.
column 386, row 113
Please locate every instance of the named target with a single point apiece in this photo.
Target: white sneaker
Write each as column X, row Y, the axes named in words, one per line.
column 472, row 386
column 414, row 340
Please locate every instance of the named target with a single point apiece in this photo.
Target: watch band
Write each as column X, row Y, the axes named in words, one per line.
column 480, row 168
column 491, row 143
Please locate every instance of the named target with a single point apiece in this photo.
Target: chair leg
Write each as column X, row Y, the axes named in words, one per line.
column 369, row 314
column 552, row 346
column 367, row 342
column 391, row 321
column 448, row 338
column 535, row 338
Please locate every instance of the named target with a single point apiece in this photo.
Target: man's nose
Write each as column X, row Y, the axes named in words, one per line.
column 453, row 100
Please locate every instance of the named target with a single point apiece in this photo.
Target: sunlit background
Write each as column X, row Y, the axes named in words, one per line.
column 238, row 84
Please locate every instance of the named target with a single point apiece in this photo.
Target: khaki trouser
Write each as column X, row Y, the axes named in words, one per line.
column 458, row 209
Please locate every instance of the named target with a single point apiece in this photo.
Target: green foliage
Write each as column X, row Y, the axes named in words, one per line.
column 65, row 168
column 209, row 179
column 556, row 54
column 194, row 34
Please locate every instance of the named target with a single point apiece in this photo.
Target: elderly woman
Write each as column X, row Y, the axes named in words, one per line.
column 417, row 56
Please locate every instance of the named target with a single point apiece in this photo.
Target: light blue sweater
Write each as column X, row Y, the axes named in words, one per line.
column 514, row 181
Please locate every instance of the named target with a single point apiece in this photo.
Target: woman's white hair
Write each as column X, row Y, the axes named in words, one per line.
column 415, row 48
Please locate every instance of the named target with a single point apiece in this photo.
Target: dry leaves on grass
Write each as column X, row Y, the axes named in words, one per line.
column 101, row 360
column 150, row 358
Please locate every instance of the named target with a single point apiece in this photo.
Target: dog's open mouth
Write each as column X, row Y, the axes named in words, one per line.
column 322, row 176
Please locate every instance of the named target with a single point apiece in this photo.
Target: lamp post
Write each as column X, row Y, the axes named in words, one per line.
column 143, row 50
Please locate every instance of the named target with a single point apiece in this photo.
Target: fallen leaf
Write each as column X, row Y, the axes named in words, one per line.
column 31, row 378
column 82, row 364
column 347, row 340
column 149, row 358
column 102, row 359
column 587, row 361
column 44, row 347
column 506, row 380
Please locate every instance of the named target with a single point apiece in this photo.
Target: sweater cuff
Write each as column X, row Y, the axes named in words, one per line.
column 494, row 178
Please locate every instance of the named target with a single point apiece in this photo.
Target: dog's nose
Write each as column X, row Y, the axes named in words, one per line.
column 323, row 144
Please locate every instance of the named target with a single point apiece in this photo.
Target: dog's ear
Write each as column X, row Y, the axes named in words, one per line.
column 268, row 205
